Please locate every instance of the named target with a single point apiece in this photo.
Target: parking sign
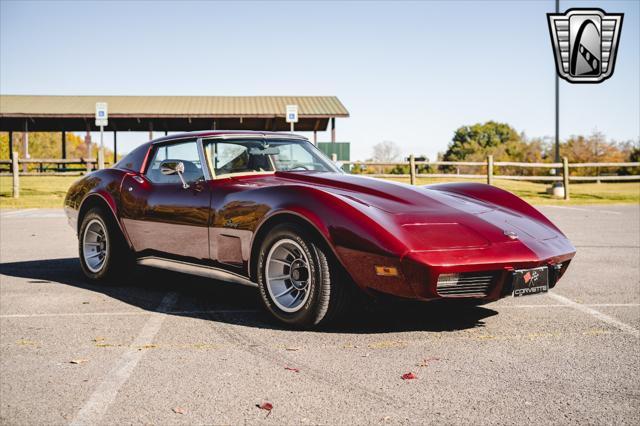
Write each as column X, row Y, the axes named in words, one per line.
column 102, row 115
column 292, row 113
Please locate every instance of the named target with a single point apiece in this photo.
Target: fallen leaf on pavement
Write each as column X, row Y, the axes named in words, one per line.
column 179, row 410
column 296, row 370
column 78, row 361
column 409, row 376
column 267, row 406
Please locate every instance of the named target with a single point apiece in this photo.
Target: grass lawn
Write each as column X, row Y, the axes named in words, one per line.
column 580, row 193
column 49, row 191
column 35, row 191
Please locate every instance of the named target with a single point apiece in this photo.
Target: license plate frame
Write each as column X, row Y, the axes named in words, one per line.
column 527, row 282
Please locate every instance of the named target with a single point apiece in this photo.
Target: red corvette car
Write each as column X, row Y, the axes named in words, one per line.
column 271, row 211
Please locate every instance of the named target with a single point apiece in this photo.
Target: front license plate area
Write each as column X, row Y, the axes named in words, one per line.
column 530, row 281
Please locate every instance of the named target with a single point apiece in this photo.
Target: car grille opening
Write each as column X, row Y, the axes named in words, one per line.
column 465, row 285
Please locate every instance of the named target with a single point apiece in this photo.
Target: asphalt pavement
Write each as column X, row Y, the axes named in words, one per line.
column 164, row 348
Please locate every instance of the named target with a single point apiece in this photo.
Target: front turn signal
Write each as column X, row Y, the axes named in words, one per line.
column 386, row 271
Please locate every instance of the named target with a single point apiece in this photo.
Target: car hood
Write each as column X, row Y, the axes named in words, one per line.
column 428, row 218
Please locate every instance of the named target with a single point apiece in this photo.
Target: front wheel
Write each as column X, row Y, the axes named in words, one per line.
column 102, row 250
column 299, row 282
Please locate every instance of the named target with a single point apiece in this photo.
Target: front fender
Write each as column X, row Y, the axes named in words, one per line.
column 355, row 232
column 496, row 196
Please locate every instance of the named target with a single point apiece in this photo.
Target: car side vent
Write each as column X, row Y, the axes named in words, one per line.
column 465, row 285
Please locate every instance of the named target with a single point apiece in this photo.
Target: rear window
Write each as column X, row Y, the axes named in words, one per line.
column 133, row 160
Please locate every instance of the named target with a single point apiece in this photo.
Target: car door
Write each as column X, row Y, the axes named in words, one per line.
column 163, row 216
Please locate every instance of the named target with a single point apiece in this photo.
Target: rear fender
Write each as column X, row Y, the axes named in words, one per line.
column 101, row 188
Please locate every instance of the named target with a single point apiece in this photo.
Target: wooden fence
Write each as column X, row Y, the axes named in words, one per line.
column 63, row 167
column 49, row 166
column 36, row 167
column 489, row 164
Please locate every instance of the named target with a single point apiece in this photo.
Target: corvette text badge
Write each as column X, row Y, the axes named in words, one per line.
column 585, row 43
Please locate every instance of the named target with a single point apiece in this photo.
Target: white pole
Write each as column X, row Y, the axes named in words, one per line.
column 292, row 127
column 101, row 152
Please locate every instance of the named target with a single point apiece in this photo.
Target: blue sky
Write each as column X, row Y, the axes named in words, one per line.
column 410, row 72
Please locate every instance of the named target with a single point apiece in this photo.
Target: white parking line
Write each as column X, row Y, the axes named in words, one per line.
column 584, row 210
column 597, row 314
column 125, row 313
column 619, row 305
column 15, row 212
column 104, row 395
column 32, row 214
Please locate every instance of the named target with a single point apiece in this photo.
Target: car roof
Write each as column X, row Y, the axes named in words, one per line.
column 229, row 133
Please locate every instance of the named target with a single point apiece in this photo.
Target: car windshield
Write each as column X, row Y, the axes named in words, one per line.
column 227, row 156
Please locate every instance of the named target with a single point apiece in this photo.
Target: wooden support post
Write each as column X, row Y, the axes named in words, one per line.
column 315, row 131
column 10, row 143
column 115, row 146
column 565, row 176
column 87, row 141
column 25, row 144
column 16, row 174
column 412, row 169
column 490, row 169
column 333, row 129
column 150, row 130
column 88, row 164
column 64, row 144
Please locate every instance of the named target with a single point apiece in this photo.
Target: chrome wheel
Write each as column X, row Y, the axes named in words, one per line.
column 95, row 245
column 287, row 275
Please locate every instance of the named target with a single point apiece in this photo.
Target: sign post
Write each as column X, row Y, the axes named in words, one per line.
column 292, row 115
column 102, row 120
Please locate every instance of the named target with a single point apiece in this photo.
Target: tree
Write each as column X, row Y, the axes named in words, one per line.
column 385, row 152
column 48, row 145
column 594, row 149
column 473, row 143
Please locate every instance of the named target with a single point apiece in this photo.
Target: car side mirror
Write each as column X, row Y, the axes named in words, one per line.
column 172, row 167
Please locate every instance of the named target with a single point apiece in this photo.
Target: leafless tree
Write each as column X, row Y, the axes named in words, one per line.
column 386, row 151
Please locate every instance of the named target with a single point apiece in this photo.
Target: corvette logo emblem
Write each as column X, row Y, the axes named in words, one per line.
column 585, row 43
column 530, row 278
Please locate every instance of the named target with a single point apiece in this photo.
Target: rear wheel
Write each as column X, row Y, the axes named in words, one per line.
column 102, row 249
column 300, row 283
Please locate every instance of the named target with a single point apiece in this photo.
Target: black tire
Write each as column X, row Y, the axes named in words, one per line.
column 118, row 258
column 329, row 287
